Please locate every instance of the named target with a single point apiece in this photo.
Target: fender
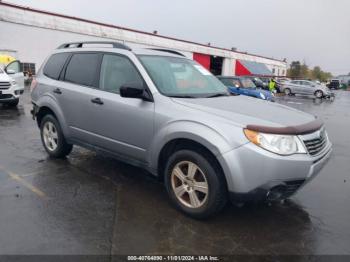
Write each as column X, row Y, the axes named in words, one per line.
column 51, row 102
column 198, row 132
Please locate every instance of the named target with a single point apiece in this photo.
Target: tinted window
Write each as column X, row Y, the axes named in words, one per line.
column 55, row 64
column 82, row 69
column 117, row 71
column 247, row 83
column 232, row 82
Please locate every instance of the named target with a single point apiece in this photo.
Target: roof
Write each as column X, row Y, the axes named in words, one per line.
column 256, row 68
column 124, row 28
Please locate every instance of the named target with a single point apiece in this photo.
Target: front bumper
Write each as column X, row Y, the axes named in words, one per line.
column 254, row 174
column 11, row 94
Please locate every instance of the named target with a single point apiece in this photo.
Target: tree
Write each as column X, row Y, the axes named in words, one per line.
column 302, row 71
column 294, row 69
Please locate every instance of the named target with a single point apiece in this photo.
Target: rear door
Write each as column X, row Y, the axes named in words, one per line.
column 307, row 88
column 79, row 81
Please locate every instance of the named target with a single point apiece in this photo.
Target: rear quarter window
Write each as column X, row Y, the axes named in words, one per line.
column 54, row 65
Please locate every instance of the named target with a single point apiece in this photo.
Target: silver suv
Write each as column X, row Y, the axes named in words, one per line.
column 169, row 115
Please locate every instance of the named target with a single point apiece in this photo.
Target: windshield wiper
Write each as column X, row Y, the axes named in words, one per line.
column 217, row 95
column 182, row 96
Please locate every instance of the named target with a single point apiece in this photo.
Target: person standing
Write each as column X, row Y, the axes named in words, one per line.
column 272, row 86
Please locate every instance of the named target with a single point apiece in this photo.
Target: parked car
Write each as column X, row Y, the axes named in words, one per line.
column 258, row 82
column 334, row 84
column 305, row 87
column 245, row 86
column 169, row 115
column 11, row 84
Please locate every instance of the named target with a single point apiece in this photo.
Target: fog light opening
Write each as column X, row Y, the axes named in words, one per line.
column 276, row 193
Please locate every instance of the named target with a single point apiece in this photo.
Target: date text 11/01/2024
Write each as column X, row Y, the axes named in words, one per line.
column 173, row 258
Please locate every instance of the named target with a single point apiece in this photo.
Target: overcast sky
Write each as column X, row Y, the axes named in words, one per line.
column 314, row 31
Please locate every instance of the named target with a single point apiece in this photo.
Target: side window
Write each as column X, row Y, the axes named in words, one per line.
column 226, row 81
column 117, row 71
column 13, row 68
column 82, row 69
column 236, row 83
column 54, row 65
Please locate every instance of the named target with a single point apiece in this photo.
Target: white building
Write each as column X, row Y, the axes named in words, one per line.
column 31, row 34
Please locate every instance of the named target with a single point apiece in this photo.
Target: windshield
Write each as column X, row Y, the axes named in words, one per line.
column 181, row 77
column 247, row 83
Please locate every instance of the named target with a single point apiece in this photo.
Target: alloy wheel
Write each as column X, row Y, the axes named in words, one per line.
column 189, row 184
column 319, row 94
column 50, row 136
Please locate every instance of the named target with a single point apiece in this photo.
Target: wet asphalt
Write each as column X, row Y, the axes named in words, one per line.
column 92, row 204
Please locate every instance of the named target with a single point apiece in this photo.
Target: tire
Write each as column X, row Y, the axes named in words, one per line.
column 287, row 92
column 319, row 94
column 13, row 103
column 53, row 139
column 195, row 203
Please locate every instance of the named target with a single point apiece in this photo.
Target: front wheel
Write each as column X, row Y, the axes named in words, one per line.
column 319, row 94
column 195, row 184
column 287, row 92
column 53, row 139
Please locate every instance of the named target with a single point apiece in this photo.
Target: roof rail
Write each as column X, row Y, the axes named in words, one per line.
column 80, row 44
column 167, row 51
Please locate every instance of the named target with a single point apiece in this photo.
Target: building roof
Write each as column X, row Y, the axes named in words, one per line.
column 123, row 28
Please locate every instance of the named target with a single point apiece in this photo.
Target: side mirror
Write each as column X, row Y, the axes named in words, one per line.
column 135, row 90
column 10, row 71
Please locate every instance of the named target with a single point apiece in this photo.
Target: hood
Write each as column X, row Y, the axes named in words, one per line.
column 5, row 78
column 243, row 111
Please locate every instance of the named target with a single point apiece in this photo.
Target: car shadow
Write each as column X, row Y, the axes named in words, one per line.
column 147, row 223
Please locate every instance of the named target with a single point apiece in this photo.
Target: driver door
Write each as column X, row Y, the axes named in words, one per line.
column 122, row 125
column 13, row 69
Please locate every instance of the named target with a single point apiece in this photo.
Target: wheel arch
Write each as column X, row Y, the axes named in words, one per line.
column 190, row 135
column 48, row 105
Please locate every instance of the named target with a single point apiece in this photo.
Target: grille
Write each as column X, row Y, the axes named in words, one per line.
column 316, row 145
column 5, row 85
column 5, row 96
column 293, row 186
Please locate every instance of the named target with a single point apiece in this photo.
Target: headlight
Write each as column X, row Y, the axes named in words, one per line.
column 13, row 83
column 262, row 96
column 279, row 144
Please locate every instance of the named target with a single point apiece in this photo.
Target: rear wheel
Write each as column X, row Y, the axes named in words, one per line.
column 53, row 139
column 287, row 92
column 195, row 184
column 319, row 94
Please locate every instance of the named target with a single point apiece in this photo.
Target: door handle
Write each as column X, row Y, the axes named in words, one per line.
column 97, row 100
column 57, row 91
